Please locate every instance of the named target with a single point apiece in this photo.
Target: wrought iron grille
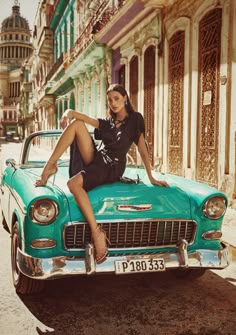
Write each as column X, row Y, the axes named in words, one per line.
column 209, row 67
column 176, row 97
column 133, row 89
column 149, row 97
column 132, row 234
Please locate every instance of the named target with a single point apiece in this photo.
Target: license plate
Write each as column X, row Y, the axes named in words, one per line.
column 140, row 265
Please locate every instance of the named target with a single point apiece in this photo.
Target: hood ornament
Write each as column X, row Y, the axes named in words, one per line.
column 133, row 208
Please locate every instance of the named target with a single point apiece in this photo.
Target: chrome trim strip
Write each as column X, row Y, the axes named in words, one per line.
column 43, row 240
column 133, row 208
column 62, row 266
column 210, row 232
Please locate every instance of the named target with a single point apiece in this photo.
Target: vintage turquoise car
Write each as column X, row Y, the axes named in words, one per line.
column 150, row 228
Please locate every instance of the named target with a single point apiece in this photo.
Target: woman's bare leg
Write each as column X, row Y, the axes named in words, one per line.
column 78, row 130
column 75, row 185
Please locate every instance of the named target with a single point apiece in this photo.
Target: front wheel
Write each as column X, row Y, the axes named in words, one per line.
column 23, row 284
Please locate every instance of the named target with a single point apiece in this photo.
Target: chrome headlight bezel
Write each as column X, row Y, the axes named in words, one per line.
column 215, row 207
column 44, row 211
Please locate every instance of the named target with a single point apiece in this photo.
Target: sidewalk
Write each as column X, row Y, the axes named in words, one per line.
column 229, row 230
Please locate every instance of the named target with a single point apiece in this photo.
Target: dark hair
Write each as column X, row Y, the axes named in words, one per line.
column 120, row 89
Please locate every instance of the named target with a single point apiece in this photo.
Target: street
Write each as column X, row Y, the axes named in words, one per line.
column 154, row 304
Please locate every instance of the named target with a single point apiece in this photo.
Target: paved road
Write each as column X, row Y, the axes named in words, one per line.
column 154, row 304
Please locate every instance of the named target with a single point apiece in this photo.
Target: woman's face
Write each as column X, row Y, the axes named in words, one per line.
column 116, row 101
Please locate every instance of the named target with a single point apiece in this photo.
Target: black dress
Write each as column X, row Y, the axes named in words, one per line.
column 109, row 161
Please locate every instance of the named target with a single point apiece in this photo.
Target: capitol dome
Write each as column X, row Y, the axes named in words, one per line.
column 15, row 38
column 15, row 22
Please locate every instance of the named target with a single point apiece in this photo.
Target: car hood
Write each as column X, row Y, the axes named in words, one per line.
column 124, row 200
column 178, row 201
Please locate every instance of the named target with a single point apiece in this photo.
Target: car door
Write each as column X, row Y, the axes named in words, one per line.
column 6, row 192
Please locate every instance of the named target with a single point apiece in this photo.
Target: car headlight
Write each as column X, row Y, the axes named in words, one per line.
column 214, row 207
column 43, row 211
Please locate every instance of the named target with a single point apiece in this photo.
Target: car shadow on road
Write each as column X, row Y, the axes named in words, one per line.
column 135, row 304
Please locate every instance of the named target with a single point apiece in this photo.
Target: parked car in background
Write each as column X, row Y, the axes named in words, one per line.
column 150, row 228
column 11, row 137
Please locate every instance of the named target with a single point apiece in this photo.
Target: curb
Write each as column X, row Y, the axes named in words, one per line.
column 232, row 251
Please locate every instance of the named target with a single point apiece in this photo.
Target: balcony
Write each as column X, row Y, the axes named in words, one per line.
column 128, row 15
column 44, row 99
column 45, row 43
column 55, row 67
column 27, row 87
column 100, row 13
column 8, row 120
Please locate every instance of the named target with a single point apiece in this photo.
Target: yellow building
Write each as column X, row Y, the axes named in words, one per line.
column 15, row 47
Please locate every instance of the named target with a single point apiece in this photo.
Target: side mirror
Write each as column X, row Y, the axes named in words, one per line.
column 11, row 162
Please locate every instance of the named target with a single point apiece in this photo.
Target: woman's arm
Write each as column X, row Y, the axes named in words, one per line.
column 70, row 113
column 142, row 148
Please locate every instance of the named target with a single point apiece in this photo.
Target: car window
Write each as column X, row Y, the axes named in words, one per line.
column 40, row 148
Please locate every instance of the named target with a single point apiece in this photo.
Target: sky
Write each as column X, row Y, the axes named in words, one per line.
column 28, row 9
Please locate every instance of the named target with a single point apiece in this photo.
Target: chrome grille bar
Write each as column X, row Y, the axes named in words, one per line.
column 132, row 234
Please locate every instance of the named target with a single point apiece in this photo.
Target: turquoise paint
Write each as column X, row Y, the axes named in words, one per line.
column 182, row 200
column 65, row 37
column 60, row 9
column 72, row 101
column 94, row 100
column 65, row 105
column 72, row 37
column 63, row 15
column 86, row 101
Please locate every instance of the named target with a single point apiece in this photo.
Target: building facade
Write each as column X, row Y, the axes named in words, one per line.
column 15, row 48
column 177, row 61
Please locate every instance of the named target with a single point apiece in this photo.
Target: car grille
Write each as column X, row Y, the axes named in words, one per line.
column 132, row 234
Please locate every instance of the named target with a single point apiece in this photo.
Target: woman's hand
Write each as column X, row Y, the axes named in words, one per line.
column 66, row 118
column 142, row 148
column 158, row 182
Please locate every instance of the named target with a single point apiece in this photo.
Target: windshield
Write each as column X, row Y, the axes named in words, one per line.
column 38, row 149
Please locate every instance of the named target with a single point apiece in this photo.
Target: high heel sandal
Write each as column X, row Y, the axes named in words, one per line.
column 103, row 254
column 46, row 174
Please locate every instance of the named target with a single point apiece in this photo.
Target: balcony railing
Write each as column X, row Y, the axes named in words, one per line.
column 45, row 43
column 55, row 67
column 27, row 87
column 102, row 13
column 8, row 120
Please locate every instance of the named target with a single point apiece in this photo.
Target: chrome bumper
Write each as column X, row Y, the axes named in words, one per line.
column 56, row 267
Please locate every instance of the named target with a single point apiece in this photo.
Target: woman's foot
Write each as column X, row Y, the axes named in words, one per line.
column 100, row 241
column 49, row 169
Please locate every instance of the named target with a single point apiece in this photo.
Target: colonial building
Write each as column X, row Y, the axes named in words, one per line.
column 15, row 47
column 176, row 59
